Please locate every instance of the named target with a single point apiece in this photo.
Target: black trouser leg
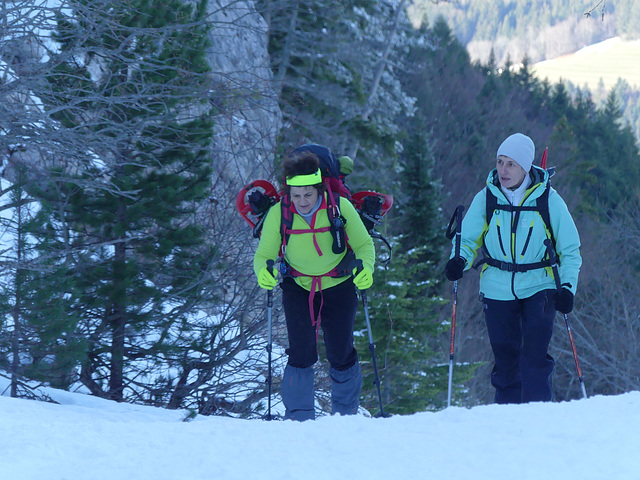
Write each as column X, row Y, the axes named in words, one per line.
column 537, row 365
column 339, row 305
column 520, row 332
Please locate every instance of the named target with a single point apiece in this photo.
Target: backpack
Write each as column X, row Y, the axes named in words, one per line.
column 336, row 188
column 256, row 198
column 541, row 206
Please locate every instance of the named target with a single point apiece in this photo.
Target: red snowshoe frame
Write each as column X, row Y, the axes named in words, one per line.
column 255, row 218
column 358, row 198
column 242, row 200
column 252, row 217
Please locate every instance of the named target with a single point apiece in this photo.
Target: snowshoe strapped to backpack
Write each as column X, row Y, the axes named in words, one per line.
column 255, row 199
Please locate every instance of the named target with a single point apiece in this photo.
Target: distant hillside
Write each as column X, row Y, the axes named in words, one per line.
column 557, row 38
column 596, row 66
column 609, row 66
column 539, row 29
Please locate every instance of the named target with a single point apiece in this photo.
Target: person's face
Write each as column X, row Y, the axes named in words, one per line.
column 304, row 198
column 510, row 173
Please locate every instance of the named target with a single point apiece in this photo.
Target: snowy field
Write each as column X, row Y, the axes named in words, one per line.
column 86, row 438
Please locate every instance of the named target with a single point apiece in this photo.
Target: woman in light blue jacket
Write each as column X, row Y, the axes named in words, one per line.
column 509, row 220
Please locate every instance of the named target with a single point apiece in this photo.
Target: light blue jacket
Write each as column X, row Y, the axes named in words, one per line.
column 518, row 237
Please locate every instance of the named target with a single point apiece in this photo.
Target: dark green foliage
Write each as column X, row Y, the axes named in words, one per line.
column 325, row 57
column 404, row 324
column 140, row 104
column 420, row 193
column 38, row 337
column 404, row 300
column 603, row 160
column 54, row 344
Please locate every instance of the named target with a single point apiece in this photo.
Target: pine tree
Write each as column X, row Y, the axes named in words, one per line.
column 405, row 302
column 16, row 253
column 131, row 82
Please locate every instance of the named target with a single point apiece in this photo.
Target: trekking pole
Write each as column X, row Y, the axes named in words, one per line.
column 457, row 218
column 269, row 342
column 372, row 347
column 554, row 266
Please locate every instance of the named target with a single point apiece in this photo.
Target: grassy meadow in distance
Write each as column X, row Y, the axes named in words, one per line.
column 612, row 59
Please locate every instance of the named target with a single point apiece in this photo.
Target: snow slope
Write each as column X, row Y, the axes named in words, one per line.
column 86, row 438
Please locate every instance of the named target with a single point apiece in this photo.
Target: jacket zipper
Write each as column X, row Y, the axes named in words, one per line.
column 526, row 242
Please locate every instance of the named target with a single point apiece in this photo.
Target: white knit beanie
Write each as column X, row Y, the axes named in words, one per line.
column 520, row 148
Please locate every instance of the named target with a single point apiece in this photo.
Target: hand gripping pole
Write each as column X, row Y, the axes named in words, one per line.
column 457, row 218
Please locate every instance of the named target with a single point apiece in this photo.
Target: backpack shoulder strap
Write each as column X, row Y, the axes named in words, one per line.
column 491, row 205
column 286, row 217
column 542, row 203
column 542, row 207
column 333, row 204
column 286, row 221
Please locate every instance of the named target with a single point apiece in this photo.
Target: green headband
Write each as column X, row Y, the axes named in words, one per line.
column 305, row 180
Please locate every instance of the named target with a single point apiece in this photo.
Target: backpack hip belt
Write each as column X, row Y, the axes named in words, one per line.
column 343, row 269
column 512, row 267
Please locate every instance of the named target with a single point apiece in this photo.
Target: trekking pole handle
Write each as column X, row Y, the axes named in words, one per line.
column 270, row 292
column 363, row 293
column 554, row 263
column 459, row 210
column 457, row 219
column 358, row 265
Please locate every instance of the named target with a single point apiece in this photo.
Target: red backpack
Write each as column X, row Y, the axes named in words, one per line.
column 256, row 198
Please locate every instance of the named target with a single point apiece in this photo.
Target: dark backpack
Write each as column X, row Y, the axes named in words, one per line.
column 336, row 188
column 256, row 198
column 541, row 206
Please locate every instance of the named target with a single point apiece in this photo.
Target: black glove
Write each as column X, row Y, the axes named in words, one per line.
column 453, row 269
column 563, row 301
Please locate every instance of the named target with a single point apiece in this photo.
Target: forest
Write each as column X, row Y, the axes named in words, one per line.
column 539, row 29
column 516, row 31
column 126, row 273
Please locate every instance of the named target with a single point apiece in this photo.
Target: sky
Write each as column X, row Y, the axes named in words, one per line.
column 85, row 438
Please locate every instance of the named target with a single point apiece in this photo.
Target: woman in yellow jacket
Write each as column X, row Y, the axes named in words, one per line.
column 318, row 285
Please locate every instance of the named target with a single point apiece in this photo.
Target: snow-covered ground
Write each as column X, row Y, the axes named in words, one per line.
column 86, row 438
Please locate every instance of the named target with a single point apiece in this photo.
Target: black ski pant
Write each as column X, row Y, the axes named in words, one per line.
column 338, row 315
column 338, row 312
column 520, row 332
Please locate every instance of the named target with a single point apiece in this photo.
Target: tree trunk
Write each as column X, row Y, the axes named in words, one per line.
column 116, row 379
column 15, row 339
column 286, row 51
column 118, row 318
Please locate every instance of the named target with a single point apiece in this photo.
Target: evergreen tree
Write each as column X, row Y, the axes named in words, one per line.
column 405, row 300
column 37, row 337
column 15, row 256
column 131, row 81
